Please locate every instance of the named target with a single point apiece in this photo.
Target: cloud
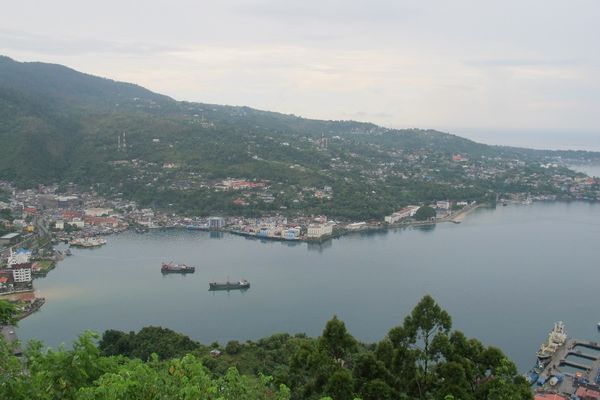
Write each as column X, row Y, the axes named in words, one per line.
column 525, row 62
column 44, row 44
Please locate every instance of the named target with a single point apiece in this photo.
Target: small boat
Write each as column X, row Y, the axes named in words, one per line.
column 239, row 285
column 68, row 252
column 168, row 268
column 598, row 325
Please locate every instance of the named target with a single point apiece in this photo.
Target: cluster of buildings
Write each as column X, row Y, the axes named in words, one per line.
column 283, row 229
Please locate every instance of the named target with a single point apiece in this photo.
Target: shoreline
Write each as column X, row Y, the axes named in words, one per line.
column 456, row 218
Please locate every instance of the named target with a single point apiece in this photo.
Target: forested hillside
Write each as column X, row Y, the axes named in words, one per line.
column 58, row 125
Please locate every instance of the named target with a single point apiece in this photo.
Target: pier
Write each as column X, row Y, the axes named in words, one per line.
column 569, row 381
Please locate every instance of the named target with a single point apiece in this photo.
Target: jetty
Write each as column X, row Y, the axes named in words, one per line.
column 574, row 367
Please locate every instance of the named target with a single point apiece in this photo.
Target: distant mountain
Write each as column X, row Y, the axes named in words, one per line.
column 60, row 125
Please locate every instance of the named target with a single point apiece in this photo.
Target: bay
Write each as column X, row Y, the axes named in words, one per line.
column 505, row 275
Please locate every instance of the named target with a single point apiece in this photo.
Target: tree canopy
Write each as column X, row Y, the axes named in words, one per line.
column 422, row 358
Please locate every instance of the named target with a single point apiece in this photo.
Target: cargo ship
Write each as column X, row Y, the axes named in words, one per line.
column 239, row 285
column 556, row 338
column 168, row 268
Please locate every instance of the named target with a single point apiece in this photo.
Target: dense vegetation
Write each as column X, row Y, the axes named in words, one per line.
column 58, row 126
column 425, row 213
column 420, row 359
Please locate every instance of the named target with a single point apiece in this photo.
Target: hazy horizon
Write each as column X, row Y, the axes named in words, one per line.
column 500, row 73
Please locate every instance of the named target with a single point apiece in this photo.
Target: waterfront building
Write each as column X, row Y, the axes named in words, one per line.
column 319, row 230
column 21, row 273
column 292, row 233
column 355, row 226
column 406, row 212
column 216, row 223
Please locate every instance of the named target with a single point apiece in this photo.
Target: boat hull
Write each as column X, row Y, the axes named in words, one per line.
column 178, row 271
column 213, row 286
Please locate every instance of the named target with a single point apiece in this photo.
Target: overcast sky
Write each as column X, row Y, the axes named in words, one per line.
column 468, row 67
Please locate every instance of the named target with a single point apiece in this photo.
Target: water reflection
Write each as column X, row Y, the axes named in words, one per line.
column 425, row 228
column 319, row 246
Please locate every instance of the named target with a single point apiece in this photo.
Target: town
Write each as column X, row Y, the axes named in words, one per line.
column 32, row 221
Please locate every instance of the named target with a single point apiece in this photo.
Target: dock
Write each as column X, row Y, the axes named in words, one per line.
column 562, row 365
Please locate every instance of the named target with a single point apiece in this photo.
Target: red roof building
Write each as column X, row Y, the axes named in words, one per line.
column 587, row 394
column 549, row 396
column 29, row 210
column 68, row 215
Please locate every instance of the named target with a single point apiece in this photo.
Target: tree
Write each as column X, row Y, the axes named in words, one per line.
column 336, row 340
column 8, row 313
column 426, row 321
column 340, row 384
column 506, row 385
column 83, row 373
column 151, row 339
column 425, row 213
column 233, row 347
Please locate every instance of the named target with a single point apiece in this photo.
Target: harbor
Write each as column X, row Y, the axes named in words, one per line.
column 452, row 262
column 567, row 367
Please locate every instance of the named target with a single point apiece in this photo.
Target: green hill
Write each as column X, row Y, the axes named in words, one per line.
column 59, row 125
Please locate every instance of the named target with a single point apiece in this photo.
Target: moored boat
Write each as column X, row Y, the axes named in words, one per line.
column 556, row 338
column 239, row 285
column 171, row 267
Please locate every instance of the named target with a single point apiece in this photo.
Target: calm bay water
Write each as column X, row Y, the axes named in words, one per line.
column 504, row 275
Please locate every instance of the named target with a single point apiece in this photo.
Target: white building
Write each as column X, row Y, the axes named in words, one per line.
column 443, row 205
column 22, row 273
column 216, row 223
column 406, row 212
column 59, row 224
column 355, row 226
column 318, row 230
column 77, row 222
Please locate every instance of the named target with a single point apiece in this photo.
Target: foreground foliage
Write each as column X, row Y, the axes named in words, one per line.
column 419, row 359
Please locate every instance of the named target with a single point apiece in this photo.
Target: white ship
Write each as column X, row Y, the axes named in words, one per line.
column 556, row 338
